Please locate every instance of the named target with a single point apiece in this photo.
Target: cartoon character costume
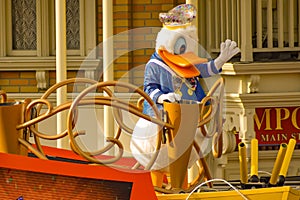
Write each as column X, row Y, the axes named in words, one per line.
column 173, row 74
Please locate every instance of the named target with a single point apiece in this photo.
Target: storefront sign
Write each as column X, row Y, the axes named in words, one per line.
column 277, row 125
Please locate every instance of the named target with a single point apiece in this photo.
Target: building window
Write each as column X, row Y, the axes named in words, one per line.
column 73, row 24
column 28, row 28
column 23, row 14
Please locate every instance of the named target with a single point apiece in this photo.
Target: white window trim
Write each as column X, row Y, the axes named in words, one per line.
column 41, row 59
column 2, row 29
column 10, row 51
column 46, row 31
column 87, row 31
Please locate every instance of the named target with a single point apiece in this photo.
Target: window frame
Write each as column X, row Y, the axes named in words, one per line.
column 46, row 33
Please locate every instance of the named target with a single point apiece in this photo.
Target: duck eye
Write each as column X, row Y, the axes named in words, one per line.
column 180, row 46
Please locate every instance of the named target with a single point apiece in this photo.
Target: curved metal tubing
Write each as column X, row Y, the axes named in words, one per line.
column 210, row 112
column 218, row 119
column 114, row 102
column 31, row 148
column 4, row 96
column 40, row 102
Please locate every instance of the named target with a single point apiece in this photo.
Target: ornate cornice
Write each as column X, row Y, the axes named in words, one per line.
column 253, row 100
column 45, row 63
column 261, row 68
column 41, row 65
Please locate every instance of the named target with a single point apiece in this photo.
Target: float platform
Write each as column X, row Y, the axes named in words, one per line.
column 276, row 193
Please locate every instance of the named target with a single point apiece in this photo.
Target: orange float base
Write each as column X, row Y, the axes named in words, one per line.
column 33, row 178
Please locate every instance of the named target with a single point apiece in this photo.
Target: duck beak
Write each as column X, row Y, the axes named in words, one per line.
column 183, row 64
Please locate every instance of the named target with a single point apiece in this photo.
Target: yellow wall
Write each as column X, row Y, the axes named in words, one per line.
column 128, row 15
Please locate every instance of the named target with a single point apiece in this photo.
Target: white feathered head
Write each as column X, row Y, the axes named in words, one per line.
column 177, row 41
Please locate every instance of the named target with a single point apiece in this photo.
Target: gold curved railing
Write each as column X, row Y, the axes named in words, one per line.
column 213, row 112
column 84, row 99
column 210, row 111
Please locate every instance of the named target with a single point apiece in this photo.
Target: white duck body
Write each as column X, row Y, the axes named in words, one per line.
column 143, row 143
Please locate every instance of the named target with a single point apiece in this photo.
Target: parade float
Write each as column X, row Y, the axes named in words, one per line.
column 33, row 171
column 30, row 170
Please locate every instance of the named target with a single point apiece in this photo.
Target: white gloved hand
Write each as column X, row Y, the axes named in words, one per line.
column 171, row 97
column 228, row 50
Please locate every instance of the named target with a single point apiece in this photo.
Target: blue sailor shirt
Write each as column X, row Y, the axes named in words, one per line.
column 160, row 79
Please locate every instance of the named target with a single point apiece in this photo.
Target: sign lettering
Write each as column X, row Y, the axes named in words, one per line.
column 277, row 125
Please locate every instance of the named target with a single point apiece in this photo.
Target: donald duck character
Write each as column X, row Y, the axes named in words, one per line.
column 172, row 74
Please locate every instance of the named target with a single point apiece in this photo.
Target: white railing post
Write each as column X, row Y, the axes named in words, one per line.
column 259, row 26
column 246, row 31
column 203, row 30
column 280, row 24
column 61, row 67
column 270, row 23
column 291, row 21
column 108, row 67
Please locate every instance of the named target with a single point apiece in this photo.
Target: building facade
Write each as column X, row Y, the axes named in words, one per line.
column 263, row 78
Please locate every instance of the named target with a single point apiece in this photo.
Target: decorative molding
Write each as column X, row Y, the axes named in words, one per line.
column 42, row 79
column 90, row 74
column 42, row 66
column 70, row 96
column 254, row 83
column 246, row 125
column 232, row 121
column 261, row 68
column 46, row 63
column 254, row 100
